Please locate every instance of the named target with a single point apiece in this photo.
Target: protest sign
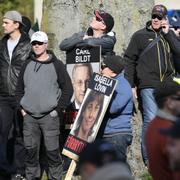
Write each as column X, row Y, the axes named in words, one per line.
column 81, row 62
column 90, row 115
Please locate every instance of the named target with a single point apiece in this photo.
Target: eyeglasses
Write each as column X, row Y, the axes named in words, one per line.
column 154, row 16
column 37, row 43
column 103, row 66
column 176, row 97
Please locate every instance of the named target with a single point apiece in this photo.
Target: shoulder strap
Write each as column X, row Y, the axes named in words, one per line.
column 150, row 45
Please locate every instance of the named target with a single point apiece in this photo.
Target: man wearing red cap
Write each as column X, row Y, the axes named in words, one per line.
column 149, row 62
column 99, row 33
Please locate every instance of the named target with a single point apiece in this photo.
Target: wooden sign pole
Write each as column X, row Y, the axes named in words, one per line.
column 71, row 170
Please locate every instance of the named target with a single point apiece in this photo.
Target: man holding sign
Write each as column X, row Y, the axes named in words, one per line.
column 117, row 120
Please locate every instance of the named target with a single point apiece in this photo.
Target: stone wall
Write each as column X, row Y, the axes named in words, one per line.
column 62, row 18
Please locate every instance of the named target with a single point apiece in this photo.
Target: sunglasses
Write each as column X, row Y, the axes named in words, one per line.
column 99, row 19
column 175, row 97
column 103, row 66
column 37, row 43
column 154, row 16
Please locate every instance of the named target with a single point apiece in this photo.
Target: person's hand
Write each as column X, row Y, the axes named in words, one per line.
column 165, row 25
column 134, row 92
column 86, row 37
column 23, row 112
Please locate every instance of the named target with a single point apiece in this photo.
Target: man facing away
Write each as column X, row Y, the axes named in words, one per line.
column 14, row 50
column 149, row 62
column 116, row 124
column 44, row 90
column 167, row 98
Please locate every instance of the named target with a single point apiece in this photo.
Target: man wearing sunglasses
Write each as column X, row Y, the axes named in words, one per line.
column 149, row 62
column 167, row 96
column 43, row 92
column 99, row 33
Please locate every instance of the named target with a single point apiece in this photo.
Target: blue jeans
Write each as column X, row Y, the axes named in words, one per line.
column 149, row 108
column 120, row 143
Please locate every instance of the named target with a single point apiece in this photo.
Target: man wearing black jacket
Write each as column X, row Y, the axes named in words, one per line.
column 149, row 65
column 14, row 50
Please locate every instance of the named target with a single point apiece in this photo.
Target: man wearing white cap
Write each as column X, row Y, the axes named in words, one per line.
column 44, row 90
column 14, row 50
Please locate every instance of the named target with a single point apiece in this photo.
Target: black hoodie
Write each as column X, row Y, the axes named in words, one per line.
column 156, row 65
column 44, row 86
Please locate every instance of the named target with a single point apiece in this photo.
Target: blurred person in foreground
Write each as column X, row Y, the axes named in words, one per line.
column 173, row 144
column 99, row 160
column 14, row 50
column 167, row 98
column 149, row 62
column 44, row 90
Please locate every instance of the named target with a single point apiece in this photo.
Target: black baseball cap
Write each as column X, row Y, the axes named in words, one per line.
column 107, row 19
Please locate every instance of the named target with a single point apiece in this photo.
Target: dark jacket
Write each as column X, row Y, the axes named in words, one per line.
column 9, row 70
column 44, row 86
column 107, row 42
column 156, row 64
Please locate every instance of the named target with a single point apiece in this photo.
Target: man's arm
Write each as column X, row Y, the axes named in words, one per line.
column 122, row 95
column 130, row 58
column 20, row 85
column 106, row 42
column 65, row 85
column 71, row 42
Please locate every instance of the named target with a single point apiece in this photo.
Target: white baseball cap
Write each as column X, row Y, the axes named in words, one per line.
column 39, row 36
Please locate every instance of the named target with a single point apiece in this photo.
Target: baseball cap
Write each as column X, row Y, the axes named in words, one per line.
column 39, row 36
column 13, row 15
column 173, row 131
column 165, row 89
column 159, row 10
column 115, row 63
column 107, row 19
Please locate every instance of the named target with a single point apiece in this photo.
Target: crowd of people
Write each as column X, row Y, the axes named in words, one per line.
column 36, row 94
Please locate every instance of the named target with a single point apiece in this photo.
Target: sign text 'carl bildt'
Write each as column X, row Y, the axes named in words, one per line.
column 82, row 56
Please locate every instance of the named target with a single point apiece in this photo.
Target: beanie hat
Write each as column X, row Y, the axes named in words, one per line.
column 14, row 16
column 159, row 10
column 98, row 153
column 166, row 89
column 27, row 24
column 115, row 63
column 107, row 19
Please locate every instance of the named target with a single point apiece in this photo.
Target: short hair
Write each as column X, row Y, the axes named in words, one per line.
column 88, row 65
